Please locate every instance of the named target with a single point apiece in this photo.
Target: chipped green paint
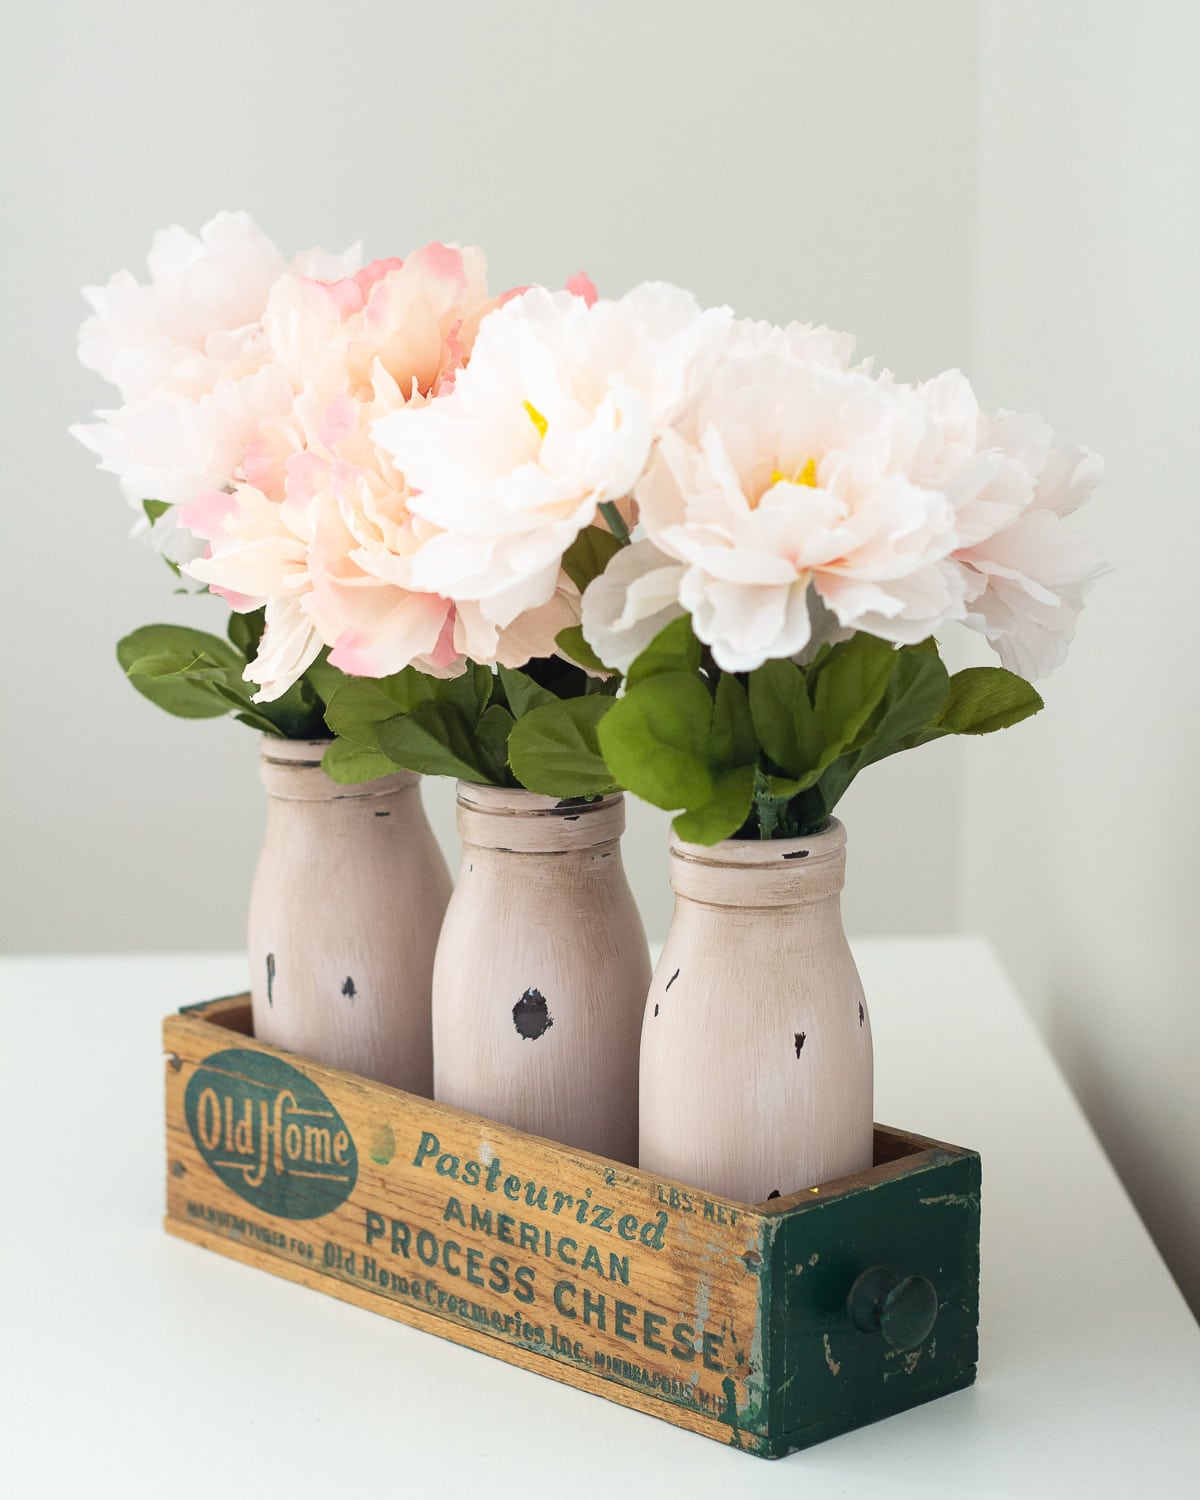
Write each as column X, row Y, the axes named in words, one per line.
column 824, row 1375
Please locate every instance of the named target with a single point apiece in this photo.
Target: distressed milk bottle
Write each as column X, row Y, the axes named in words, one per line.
column 347, row 898
column 541, row 971
column 756, row 1068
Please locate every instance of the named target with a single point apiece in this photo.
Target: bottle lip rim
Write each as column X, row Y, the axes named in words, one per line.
column 275, row 750
column 765, row 854
column 517, row 802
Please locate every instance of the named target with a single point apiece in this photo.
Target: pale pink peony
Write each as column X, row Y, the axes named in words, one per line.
column 186, row 353
column 1024, row 572
column 790, row 487
column 555, row 415
column 321, row 530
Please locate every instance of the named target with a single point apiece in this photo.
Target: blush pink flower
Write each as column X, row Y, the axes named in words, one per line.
column 185, row 351
column 321, row 530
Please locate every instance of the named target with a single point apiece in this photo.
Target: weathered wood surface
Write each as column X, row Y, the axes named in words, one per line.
column 720, row 1317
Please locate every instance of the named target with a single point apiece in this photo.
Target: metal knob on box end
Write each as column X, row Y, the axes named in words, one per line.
column 902, row 1308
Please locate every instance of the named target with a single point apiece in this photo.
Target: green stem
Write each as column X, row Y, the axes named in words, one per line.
column 616, row 522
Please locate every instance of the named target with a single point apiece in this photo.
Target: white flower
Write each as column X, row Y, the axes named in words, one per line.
column 1025, row 573
column 555, row 415
column 187, row 354
column 790, row 477
column 184, row 329
column 635, row 597
column 800, row 341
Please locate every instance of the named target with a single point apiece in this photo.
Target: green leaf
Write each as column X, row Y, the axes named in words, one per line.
column 572, row 644
column 197, row 669
column 245, row 631
column 555, row 749
column 437, row 739
column 254, row 720
column 470, row 692
column 984, row 699
column 726, row 812
column 851, row 685
column 327, row 680
column 522, row 692
column 655, row 739
column 355, row 710
column 492, row 733
column 805, row 737
column 781, row 714
column 347, row 763
column 732, row 741
column 915, row 693
column 179, row 669
column 588, row 555
column 296, row 714
column 674, row 649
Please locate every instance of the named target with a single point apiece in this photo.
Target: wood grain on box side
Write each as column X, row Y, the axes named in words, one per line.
column 554, row 1260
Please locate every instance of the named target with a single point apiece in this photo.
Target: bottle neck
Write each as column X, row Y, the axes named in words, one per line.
column 290, row 770
column 520, row 822
column 755, row 873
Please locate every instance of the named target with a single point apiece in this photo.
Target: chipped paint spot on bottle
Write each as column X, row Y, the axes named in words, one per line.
column 800, row 1037
column 835, row 1365
column 656, row 1007
column 348, row 989
column 531, row 1015
column 797, row 854
column 862, row 1015
column 384, row 814
column 270, row 979
column 672, row 980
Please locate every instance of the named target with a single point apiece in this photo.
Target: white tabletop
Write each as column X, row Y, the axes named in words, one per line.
column 136, row 1365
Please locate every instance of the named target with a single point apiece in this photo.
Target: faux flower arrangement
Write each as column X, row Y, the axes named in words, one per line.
column 559, row 546
column 408, row 490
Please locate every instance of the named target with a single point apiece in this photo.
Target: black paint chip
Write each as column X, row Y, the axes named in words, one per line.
column 801, row 1038
column 862, row 1015
column 656, row 1007
column 531, row 1015
column 771, row 1195
column 797, row 854
column 348, row 989
column 672, row 980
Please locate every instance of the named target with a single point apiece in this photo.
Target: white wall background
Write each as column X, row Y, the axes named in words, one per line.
column 1081, row 837
column 1007, row 186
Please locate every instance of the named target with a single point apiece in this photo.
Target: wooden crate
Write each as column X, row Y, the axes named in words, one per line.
column 769, row 1327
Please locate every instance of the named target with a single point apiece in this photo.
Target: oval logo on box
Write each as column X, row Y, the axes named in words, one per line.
column 270, row 1134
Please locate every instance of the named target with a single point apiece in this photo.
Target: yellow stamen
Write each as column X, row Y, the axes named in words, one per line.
column 806, row 475
column 537, row 419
